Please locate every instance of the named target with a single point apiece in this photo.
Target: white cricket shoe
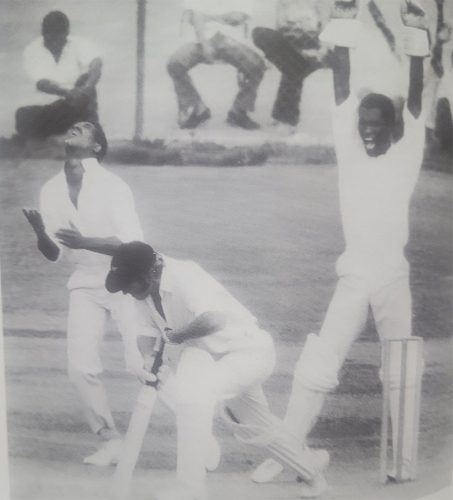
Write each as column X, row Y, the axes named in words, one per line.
column 270, row 468
column 315, row 488
column 108, row 454
column 267, row 471
column 213, row 456
column 318, row 485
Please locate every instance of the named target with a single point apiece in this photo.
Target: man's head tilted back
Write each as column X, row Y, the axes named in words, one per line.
column 55, row 30
column 377, row 121
column 86, row 140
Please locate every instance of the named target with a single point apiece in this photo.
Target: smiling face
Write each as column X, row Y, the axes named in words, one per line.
column 80, row 141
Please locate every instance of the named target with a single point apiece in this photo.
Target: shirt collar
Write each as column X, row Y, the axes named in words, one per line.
column 166, row 277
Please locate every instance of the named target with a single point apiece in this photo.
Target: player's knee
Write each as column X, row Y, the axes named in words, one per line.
column 260, row 37
column 318, row 365
column 175, row 68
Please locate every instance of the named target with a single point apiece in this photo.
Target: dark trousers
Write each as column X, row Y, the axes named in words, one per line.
column 57, row 117
column 249, row 64
column 294, row 68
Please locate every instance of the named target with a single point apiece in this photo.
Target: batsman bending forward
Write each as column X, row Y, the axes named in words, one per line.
column 226, row 358
column 377, row 176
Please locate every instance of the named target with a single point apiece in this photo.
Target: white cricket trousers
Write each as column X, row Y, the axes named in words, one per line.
column 88, row 312
column 201, row 382
column 344, row 322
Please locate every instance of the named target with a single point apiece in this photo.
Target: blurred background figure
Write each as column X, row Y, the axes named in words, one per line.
column 294, row 48
column 440, row 86
column 220, row 37
column 65, row 70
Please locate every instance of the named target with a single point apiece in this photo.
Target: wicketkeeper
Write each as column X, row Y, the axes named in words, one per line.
column 378, row 170
column 225, row 359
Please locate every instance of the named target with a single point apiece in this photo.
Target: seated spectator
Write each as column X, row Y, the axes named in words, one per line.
column 220, row 31
column 65, row 70
column 294, row 48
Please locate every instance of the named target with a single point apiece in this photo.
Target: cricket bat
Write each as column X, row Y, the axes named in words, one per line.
column 136, row 431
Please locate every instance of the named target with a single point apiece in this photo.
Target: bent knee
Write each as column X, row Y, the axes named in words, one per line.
column 176, row 68
column 260, row 37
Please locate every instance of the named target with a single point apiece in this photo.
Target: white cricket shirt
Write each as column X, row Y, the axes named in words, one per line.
column 187, row 291
column 106, row 208
column 375, row 194
column 75, row 59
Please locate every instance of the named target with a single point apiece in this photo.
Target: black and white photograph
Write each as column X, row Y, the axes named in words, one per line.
column 226, row 249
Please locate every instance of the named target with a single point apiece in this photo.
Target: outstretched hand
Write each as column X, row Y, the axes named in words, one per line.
column 35, row 219
column 413, row 15
column 345, row 9
column 71, row 238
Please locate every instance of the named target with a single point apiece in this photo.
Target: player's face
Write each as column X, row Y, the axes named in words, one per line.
column 55, row 41
column 80, row 138
column 139, row 289
column 374, row 131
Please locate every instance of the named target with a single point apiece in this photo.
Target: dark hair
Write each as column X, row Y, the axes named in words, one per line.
column 381, row 102
column 55, row 22
column 101, row 139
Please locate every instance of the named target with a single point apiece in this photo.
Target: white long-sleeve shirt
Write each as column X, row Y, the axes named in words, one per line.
column 105, row 209
column 375, row 193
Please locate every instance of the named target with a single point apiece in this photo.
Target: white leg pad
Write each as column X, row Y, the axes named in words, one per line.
column 258, row 427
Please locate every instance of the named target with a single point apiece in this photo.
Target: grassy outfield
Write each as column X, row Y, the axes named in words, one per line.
column 271, row 235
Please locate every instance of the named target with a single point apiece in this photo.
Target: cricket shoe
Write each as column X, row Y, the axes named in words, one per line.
column 270, row 468
column 213, row 455
column 196, row 119
column 318, row 485
column 242, row 120
column 108, row 454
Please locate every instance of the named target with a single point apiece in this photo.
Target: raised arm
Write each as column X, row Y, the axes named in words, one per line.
column 46, row 246
column 343, row 10
column 417, row 47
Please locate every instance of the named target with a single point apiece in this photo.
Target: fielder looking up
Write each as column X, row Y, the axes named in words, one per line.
column 377, row 176
column 225, row 359
column 86, row 212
